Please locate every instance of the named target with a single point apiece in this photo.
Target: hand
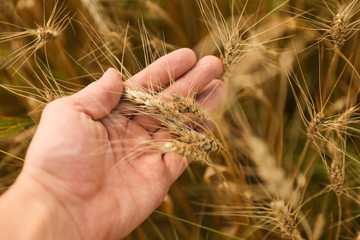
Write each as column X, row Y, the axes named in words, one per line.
column 78, row 156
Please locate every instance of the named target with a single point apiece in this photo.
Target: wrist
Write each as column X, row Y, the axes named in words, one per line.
column 29, row 211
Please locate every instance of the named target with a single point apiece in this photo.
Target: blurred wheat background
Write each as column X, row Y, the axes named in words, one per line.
column 289, row 129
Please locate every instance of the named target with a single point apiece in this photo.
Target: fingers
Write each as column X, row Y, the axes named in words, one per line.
column 210, row 98
column 194, row 81
column 175, row 164
column 100, row 97
column 163, row 70
column 212, row 95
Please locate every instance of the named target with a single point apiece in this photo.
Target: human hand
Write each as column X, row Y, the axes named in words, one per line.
column 76, row 158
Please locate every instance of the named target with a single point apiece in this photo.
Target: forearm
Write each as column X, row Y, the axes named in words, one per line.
column 28, row 212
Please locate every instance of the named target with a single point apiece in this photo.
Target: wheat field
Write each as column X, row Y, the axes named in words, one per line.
column 283, row 160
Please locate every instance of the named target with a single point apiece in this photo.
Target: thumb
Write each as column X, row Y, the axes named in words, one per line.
column 100, row 97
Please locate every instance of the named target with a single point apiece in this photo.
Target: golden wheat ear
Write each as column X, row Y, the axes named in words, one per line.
column 175, row 117
column 51, row 29
column 338, row 25
column 235, row 36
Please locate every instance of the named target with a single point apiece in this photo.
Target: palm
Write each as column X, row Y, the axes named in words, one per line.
column 128, row 184
column 139, row 182
column 94, row 165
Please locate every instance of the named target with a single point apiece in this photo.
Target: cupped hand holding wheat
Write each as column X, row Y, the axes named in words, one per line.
column 76, row 183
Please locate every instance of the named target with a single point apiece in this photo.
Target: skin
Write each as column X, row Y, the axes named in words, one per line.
column 77, row 182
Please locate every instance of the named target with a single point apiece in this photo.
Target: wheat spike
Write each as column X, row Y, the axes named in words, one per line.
column 190, row 136
column 152, row 104
column 315, row 126
column 285, row 220
column 336, row 178
column 172, row 114
column 336, row 170
column 189, row 105
column 168, row 110
column 338, row 29
column 189, row 151
column 54, row 26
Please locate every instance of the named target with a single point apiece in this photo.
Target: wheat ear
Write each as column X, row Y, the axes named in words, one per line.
column 285, row 220
column 174, row 116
